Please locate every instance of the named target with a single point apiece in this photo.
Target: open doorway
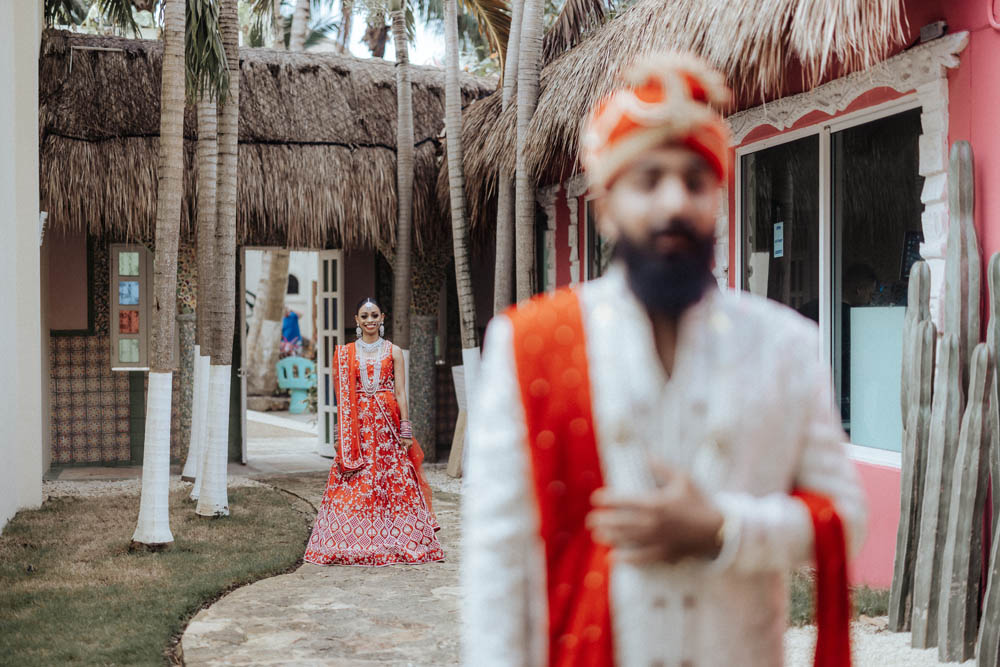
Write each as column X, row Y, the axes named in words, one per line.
column 290, row 428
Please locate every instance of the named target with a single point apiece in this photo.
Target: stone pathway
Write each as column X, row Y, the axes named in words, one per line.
column 405, row 615
column 396, row 615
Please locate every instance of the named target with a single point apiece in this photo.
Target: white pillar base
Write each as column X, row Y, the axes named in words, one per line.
column 213, row 497
column 198, row 398
column 153, row 526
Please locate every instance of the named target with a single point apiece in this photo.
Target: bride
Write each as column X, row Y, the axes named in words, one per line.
column 377, row 507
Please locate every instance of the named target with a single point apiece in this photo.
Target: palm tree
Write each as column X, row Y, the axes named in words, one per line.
column 346, row 18
column 207, row 78
column 153, row 526
column 268, row 312
column 456, row 179
column 300, row 26
column 213, row 498
column 524, row 187
column 376, row 34
column 208, row 164
column 404, row 180
column 503, row 273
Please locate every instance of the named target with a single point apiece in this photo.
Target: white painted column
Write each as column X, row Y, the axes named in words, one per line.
column 213, row 499
column 153, row 526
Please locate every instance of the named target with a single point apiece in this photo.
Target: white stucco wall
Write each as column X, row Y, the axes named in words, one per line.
column 21, row 444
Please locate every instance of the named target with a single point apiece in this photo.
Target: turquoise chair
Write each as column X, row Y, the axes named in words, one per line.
column 297, row 375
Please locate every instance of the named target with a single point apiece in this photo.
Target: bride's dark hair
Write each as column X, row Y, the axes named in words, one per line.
column 365, row 301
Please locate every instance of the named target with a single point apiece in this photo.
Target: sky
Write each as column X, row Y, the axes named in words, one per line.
column 426, row 49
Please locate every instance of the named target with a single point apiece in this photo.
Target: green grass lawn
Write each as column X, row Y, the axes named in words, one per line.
column 70, row 592
column 802, row 593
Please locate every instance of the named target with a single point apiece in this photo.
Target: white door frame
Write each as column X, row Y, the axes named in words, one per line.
column 330, row 327
column 242, row 321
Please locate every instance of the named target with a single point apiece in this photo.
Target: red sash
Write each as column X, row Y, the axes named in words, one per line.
column 833, row 603
column 551, row 360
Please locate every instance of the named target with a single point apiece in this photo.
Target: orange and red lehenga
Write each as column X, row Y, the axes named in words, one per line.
column 376, row 508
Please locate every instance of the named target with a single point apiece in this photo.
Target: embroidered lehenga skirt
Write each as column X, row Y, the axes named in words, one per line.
column 376, row 509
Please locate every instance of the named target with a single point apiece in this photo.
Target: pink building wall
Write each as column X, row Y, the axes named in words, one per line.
column 974, row 98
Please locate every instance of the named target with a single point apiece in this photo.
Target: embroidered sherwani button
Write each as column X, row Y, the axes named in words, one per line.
column 689, row 602
column 659, row 602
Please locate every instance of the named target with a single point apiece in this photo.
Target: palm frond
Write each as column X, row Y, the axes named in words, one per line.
column 262, row 13
column 322, row 28
column 205, row 68
column 576, row 19
column 64, row 12
column 493, row 20
column 119, row 12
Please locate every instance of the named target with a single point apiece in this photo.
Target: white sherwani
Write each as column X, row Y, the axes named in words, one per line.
column 748, row 413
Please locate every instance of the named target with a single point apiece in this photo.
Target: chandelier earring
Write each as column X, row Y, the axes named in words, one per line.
column 381, row 330
column 357, row 330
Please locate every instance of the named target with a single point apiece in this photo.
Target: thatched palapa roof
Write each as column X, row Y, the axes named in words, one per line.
column 755, row 44
column 317, row 160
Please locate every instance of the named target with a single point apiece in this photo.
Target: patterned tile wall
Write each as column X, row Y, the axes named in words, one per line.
column 90, row 404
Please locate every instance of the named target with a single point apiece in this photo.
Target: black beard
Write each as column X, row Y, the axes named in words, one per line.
column 667, row 284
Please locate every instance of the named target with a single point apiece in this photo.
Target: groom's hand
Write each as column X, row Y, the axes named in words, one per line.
column 674, row 522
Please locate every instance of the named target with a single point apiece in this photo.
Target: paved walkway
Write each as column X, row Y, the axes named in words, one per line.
column 396, row 615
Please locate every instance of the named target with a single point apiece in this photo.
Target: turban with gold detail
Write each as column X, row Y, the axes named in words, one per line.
column 665, row 99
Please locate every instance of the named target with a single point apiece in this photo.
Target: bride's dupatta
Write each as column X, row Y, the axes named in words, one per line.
column 348, row 419
column 352, row 458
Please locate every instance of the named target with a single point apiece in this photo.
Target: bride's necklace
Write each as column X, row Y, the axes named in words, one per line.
column 369, row 355
column 370, row 348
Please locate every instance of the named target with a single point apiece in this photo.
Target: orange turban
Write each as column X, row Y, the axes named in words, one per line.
column 666, row 99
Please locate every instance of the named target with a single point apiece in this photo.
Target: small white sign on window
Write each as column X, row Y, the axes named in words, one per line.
column 779, row 239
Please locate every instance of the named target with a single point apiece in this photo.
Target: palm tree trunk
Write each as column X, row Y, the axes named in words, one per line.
column 153, row 526
column 262, row 378
column 277, row 29
column 346, row 18
column 259, row 304
column 404, row 184
column 213, row 498
column 208, row 167
column 300, row 26
column 376, row 35
column 456, row 178
column 524, row 186
column 503, row 273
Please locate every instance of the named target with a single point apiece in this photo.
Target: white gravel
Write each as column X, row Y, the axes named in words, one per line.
column 873, row 646
column 439, row 479
column 91, row 489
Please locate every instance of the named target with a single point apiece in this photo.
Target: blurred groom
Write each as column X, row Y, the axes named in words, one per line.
column 649, row 456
